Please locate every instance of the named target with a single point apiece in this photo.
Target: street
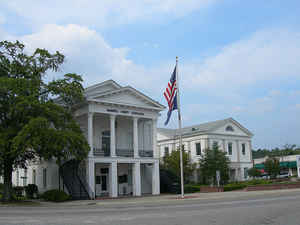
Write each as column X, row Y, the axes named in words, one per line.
column 269, row 208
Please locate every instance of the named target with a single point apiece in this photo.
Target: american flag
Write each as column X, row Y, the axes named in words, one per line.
column 171, row 95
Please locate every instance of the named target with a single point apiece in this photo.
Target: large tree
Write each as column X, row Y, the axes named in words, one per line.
column 172, row 163
column 36, row 120
column 272, row 167
column 213, row 160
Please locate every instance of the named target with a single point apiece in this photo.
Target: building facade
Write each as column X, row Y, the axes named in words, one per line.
column 120, row 124
column 228, row 134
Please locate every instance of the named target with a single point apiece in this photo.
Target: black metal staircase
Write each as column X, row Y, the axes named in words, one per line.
column 74, row 181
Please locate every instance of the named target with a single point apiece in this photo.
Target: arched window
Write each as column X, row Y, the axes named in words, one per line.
column 229, row 128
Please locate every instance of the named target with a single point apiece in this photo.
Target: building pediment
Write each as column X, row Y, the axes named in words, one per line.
column 232, row 127
column 126, row 96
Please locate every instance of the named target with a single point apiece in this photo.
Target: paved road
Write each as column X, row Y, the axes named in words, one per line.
column 271, row 208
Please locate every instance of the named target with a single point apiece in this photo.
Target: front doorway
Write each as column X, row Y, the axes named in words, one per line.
column 102, row 182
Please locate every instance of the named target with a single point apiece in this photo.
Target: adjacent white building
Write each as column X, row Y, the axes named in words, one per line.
column 120, row 124
column 231, row 137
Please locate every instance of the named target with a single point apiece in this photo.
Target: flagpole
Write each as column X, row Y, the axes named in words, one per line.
column 180, row 133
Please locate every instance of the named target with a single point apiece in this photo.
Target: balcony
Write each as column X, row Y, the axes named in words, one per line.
column 124, row 152
column 101, row 152
column 146, row 153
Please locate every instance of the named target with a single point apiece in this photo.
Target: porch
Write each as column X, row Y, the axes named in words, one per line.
column 119, row 136
column 126, row 179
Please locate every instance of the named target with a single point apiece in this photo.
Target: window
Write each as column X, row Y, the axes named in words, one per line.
column 215, row 144
column 245, row 172
column 244, row 149
column 198, row 149
column 166, row 151
column 229, row 148
column 25, row 178
column 182, row 147
column 45, row 178
column 229, row 128
column 18, row 174
column 34, row 176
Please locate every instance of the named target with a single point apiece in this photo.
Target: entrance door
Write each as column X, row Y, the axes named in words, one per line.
column 104, row 183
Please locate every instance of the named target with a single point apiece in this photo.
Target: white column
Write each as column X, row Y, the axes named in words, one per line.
column 90, row 133
column 135, row 137
column 136, row 179
column 113, row 172
column 238, row 158
column 250, row 150
column 154, row 138
column 155, row 179
column 90, row 164
column 112, row 136
column 91, row 177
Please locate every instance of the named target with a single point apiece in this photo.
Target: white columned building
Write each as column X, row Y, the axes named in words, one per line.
column 119, row 124
column 230, row 136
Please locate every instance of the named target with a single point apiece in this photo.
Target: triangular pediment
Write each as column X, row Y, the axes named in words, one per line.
column 99, row 89
column 232, row 127
column 128, row 96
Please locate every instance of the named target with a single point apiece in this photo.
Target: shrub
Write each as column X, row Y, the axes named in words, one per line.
column 190, row 188
column 0, row 197
column 55, row 196
column 168, row 182
column 234, row 186
column 31, row 190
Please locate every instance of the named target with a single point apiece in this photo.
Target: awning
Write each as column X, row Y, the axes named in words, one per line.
column 292, row 164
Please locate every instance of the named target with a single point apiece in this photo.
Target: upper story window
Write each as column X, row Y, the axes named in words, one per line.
column 244, row 149
column 198, row 149
column 25, row 178
column 229, row 148
column 215, row 144
column 45, row 178
column 229, row 128
column 166, row 151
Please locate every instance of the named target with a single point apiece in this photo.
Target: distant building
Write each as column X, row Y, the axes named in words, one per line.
column 288, row 164
column 231, row 137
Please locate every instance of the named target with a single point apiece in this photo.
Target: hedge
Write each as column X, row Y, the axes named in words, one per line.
column 55, row 196
column 234, row 186
column 191, row 188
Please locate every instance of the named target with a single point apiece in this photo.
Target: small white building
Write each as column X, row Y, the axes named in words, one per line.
column 231, row 137
column 120, row 124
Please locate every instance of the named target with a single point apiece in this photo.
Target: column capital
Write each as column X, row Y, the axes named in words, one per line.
column 112, row 116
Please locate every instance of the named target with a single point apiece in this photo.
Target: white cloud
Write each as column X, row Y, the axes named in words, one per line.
column 102, row 13
column 87, row 53
column 266, row 55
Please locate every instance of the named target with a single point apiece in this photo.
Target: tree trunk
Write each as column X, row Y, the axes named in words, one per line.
column 7, row 192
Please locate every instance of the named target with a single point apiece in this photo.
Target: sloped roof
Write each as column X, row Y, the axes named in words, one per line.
column 201, row 128
column 94, row 92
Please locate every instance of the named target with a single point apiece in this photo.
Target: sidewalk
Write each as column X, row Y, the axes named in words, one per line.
column 166, row 198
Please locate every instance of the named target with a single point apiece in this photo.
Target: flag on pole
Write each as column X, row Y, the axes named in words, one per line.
column 171, row 95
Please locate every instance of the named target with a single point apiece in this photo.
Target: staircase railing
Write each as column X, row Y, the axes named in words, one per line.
column 77, row 187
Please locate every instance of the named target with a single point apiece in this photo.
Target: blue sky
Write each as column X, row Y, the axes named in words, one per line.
column 237, row 58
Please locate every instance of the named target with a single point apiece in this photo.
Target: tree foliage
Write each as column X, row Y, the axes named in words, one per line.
column 172, row 162
column 287, row 149
column 272, row 167
column 253, row 172
column 36, row 118
column 213, row 160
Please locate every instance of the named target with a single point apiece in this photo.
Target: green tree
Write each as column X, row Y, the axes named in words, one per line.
column 272, row 167
column 172, row 163
column 253, row 172
column 213, row 160
column 36, row 118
